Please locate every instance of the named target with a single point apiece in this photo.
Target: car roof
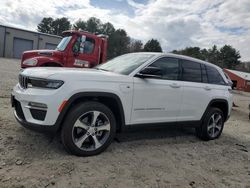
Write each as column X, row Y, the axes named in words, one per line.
column 164, row 54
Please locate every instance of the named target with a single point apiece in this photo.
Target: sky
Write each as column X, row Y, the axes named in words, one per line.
column 175, row 23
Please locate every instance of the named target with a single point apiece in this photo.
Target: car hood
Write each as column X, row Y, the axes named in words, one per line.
column 41, row 52
column 73, row 74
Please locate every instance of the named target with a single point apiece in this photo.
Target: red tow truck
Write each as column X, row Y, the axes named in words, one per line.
column 76, row 49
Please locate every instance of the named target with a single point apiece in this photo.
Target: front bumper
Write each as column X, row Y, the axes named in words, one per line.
column 42, row 120
column 36, row 127
column 19, row 115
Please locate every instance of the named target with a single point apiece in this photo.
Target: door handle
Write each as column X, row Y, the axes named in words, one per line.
column 175, row 85
column 207, row 88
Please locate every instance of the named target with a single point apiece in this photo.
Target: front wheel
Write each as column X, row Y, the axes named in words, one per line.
column 88, row 129
column 212, row 125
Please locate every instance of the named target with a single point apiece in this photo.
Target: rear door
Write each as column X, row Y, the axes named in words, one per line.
column 196, row 91
column 158, row 99
column 201, row 83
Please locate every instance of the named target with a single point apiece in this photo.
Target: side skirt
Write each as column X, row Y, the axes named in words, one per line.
column 161, row 125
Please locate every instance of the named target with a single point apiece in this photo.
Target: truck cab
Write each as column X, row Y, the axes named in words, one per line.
column 76, row 49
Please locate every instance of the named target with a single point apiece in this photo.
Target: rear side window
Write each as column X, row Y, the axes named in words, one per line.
column 169, row 67
column 191, row 71
column 214, row 76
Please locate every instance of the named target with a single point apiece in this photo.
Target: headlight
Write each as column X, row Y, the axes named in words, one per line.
column 44, row 83
column 30, row 62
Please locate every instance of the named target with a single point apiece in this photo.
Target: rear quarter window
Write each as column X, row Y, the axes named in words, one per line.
column 214, row 77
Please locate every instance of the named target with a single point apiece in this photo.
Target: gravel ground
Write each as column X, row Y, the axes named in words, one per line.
column 163, row 157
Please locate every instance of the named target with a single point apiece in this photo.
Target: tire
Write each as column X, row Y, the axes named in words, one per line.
column 210, row 130
column 88, row 129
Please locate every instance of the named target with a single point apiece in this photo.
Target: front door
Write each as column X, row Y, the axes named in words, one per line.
column 158, row 99
column 87, row 54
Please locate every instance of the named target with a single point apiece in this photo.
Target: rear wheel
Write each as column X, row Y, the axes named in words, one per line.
column 212, row 125
column 88, row 129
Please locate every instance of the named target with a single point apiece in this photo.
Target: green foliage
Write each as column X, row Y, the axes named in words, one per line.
column 80, row 24
column 107, row 29
column 59, row 25
column 191, row 51
column 118, row 43
column 135, row 46
column 225, row 57
column 45, row 26
column 152, row 45
column 51, row 26
column 229, row 57
column 93, row 25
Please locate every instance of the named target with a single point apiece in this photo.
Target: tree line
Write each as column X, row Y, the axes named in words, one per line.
column 120, row 43
column 225, row 57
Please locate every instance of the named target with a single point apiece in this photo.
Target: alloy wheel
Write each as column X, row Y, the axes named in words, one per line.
column 215, row 124
column 91, row 130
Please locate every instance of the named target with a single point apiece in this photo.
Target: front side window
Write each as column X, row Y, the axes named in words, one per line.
column 169, row 68
column 214, row 76
column 191, row 71
column 84, row 45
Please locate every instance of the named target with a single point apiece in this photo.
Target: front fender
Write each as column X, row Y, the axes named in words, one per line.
column 45, row 60
column 70, row 102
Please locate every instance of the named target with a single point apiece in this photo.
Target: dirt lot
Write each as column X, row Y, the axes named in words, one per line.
column 166, row 157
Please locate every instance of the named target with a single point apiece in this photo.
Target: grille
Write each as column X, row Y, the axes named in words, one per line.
column 23, row 81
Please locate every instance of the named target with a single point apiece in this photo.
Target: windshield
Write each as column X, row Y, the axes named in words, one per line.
column 125, row 64
column 64, row 42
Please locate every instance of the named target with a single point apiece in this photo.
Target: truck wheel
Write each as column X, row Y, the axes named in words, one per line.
column 212, row 125
column 88, row 129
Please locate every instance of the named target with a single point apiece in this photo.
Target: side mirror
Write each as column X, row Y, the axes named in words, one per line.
column 150, row 72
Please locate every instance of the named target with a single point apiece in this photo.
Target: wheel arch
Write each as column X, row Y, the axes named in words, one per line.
column 111, row 100
column 222, row 104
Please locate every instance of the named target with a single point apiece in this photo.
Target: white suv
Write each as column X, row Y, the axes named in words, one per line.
column 88, row 106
